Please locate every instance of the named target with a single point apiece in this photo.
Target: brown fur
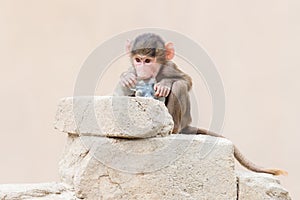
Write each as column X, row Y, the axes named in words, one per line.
column 178, row 101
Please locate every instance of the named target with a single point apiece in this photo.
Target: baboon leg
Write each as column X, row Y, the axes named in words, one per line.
column 178, row 104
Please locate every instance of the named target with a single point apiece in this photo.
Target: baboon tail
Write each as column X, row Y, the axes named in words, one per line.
column 237, row 154
column 251, row 166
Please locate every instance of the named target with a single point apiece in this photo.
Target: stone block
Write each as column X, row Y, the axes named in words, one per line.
column 172, row 167
column 260, row 186
column 125, row 117
column 42, row 191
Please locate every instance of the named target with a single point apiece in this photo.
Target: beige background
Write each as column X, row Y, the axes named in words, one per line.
column 254, row 44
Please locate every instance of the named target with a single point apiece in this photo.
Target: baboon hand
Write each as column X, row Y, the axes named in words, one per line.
column 161, row 90
column 128, row 80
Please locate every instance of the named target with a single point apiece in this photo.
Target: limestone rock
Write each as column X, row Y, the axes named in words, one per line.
column 260, row 186
column 189, row 167
column 172, row 167
column 43, row 191
column 127, row 117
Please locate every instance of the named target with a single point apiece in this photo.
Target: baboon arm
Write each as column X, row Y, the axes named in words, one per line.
column 171, row 73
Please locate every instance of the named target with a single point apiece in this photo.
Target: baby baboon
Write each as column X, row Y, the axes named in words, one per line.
column 151, row 58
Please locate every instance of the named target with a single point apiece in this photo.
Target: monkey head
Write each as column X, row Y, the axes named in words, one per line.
column 148, row 52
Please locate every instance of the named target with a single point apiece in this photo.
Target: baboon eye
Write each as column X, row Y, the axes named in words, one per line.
column 137, row 60
column 147, row 60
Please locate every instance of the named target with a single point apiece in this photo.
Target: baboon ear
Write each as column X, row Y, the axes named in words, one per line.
column 170, row 51
column 128, row 46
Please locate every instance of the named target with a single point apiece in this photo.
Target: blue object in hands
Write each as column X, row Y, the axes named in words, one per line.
column 145, row 88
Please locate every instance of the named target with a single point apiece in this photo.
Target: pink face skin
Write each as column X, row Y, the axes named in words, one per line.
column 146, row 67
